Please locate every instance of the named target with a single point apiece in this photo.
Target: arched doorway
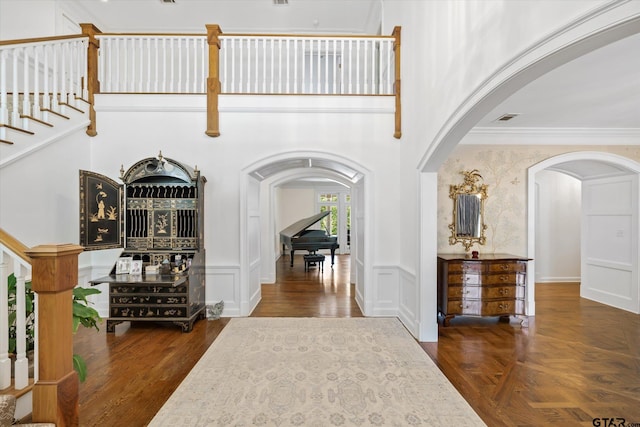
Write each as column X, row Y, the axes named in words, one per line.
column 609, row 230
column 259, row 238
column 559, row 48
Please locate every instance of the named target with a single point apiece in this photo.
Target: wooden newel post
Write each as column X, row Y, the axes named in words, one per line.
column 396, row 48
column 213, row 80
column 93, row 84
column 54, row 275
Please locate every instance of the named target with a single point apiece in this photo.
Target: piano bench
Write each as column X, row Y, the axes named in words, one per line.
column 313, row 259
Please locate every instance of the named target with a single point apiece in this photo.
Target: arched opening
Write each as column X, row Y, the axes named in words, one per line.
column 259, row 229
column 609, row 226
column 561, row 47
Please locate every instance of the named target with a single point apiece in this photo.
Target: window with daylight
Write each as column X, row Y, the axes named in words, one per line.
column 338, row 222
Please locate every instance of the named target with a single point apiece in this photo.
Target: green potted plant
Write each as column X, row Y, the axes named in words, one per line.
column 83, row 315
column 87, row 317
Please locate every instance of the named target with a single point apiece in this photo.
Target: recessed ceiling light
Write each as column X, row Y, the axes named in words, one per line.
column 281, row 2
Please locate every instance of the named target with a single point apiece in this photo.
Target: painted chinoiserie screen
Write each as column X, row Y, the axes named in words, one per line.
column 156, row 215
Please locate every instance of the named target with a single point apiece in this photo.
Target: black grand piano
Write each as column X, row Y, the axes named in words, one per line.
column 297, row 237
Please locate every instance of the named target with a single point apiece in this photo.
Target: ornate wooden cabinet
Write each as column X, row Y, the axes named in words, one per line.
column 159, row 276
column 490, row 285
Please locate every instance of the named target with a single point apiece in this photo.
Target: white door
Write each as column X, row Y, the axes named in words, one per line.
column 357, row 240
column 252, row 251
column 609, row 263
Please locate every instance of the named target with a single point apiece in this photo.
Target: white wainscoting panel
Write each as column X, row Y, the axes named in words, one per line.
column 408, row 310
column 223, row 284
column 385, row 291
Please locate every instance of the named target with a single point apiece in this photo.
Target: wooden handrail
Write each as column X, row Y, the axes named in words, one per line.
column 39, row 39
column 15, row 245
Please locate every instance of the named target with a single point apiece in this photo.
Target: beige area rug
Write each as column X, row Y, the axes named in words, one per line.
column 315, row 372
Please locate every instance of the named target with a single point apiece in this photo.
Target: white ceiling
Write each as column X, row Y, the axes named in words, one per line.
column 233, row 16
column 598, row 90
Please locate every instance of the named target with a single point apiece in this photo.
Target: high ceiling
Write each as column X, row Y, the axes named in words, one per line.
column 233, row 16
column 599, row 90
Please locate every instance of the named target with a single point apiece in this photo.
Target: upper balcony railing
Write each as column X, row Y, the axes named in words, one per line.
column 249, row 64
column 47, row 75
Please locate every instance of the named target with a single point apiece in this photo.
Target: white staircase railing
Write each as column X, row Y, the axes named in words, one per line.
column 39, row 77
column 12, row 263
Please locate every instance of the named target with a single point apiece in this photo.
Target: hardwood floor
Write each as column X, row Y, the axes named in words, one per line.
column 578, row 360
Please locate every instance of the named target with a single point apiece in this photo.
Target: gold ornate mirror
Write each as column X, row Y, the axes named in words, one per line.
column 468, row 224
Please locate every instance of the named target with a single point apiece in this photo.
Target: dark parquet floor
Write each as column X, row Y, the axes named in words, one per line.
column 577, row 361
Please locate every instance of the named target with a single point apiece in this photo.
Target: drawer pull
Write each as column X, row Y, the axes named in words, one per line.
column 504, row 278
column 503, row 306
column 504, row 291
column 505, row 267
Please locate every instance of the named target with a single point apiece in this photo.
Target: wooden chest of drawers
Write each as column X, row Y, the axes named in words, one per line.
column 491, row 285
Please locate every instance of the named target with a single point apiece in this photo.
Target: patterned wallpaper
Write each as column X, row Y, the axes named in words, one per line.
column 504, row 169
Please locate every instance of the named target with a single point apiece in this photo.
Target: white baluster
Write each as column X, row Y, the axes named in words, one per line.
column 205, row 64
column 327, row 55
column 35, row 337
column 26, row 102
column 4, row 106
column 257, row 73
column 5, row 362
column 273, row 72
column 373, row 67
column 164, row 64
column 83, row 68
column 303, row 68
column 340, row 64
column 46, row 94
column 55, row 50
column 319, row 74
column 358, row 71
column 172, row 65
column 240, row 57
column 264, row 65
column 287, row 48
column 64, row 49
column 350, row 89
column 179, row 82
column 36, row 112
column 232, row 56
column 156, row 55
column 21, row 376
column 15, row 91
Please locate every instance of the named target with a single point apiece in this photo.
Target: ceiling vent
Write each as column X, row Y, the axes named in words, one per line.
column 506, row 117
column 168, row 1
column 280, row 2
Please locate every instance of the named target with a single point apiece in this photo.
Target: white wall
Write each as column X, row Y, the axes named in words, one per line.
column 295, row 204
column 40, row 201
column 558, row 228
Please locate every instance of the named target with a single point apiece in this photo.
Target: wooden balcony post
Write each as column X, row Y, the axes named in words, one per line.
column 213, row 80
column 93, row 84
column 54, row 275
column 396, row 48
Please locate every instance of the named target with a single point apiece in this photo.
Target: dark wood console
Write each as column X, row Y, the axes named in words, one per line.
column 490, row 285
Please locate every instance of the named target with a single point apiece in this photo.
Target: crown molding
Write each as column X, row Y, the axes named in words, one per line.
column 552, row 136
